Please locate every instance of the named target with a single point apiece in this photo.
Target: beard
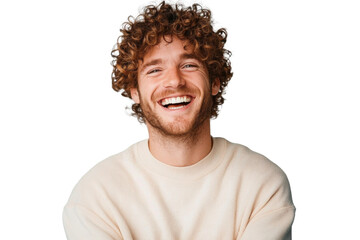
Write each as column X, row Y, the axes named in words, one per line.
column 180, row 128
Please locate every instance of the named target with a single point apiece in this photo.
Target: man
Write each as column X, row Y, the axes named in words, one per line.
column 180, row 183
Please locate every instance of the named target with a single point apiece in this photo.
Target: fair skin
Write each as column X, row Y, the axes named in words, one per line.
column 175, row 94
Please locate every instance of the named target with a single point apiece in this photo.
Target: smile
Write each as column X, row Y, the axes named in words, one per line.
column 174, row 103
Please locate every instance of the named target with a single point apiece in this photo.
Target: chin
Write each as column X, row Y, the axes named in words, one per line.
column 180, row 129
column 176, row 127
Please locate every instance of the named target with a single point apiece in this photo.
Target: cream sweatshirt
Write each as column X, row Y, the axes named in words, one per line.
column 233, row 193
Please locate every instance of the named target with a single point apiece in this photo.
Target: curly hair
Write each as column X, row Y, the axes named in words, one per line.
column 193, row 24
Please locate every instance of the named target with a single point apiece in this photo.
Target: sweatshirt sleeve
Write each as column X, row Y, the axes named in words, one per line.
column 81, row 223
column 273, row 225
column 273, row 211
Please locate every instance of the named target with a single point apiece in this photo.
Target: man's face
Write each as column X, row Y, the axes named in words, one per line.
column 174, row 90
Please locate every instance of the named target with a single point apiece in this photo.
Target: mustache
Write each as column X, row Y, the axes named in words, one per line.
column 179, row 91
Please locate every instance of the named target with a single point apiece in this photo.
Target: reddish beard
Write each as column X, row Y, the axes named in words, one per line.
column 177, row 129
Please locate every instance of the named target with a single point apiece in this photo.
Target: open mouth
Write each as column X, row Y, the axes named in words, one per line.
column 174, row 103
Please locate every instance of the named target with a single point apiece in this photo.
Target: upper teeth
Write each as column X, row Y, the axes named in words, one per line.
column 175, row 100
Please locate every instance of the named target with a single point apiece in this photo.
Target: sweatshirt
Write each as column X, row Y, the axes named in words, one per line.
column 232, row 193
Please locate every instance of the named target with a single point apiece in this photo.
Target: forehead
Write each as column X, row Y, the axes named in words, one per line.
column 169, row 46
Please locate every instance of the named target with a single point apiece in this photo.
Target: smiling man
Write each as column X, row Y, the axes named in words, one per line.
column 180, row 183
column 174, row 92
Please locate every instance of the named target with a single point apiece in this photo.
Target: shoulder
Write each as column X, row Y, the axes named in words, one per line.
column 249, row 160
column 257, row 173
column 102, row 177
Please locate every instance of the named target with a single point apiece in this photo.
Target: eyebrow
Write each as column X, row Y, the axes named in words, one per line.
column 188, row 56
column 151, row 63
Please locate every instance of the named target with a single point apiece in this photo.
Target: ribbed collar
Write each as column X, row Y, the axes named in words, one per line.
column 188, row 173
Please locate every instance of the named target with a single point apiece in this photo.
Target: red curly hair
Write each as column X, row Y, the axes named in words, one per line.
column 193, row 24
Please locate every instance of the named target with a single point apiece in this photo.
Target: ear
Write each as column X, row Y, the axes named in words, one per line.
column 135, row 95
column 215, row 86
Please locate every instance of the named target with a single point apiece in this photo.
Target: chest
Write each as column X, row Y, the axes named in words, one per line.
column 167, row 209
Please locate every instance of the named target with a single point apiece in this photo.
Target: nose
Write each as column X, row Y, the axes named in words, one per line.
column 173, row 79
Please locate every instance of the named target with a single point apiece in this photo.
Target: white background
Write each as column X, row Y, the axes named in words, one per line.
column 294, row 97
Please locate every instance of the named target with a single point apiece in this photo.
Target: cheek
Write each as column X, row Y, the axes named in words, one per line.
column 199, row 79
column 205, row 85
column 148, row 92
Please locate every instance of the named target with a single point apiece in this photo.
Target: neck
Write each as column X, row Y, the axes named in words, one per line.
column 182, row 150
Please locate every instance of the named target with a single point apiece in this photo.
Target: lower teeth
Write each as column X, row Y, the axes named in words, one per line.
column 170, row 107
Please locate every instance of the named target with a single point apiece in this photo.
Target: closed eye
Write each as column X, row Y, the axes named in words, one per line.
column 189, row 65
column 153, row 71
